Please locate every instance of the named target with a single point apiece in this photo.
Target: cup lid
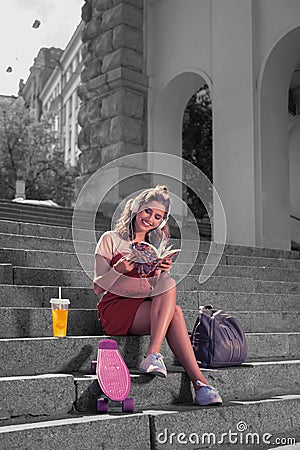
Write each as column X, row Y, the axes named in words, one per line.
column 60, row 301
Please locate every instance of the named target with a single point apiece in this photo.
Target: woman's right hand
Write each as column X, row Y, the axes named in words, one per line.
column 123, row 265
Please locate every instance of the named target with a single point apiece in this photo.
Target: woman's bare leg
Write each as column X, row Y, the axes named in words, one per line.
column 161, row 317
column 180, row 344
column 154, row 317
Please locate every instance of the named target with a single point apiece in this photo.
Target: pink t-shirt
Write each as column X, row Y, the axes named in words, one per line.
column 110, row 244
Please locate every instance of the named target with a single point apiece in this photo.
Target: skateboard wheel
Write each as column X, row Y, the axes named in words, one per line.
column 108, row 344
column 93, row 367
column 128, row 405
column 102, row 405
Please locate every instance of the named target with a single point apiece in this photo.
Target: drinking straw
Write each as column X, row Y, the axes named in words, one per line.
column 59, row 295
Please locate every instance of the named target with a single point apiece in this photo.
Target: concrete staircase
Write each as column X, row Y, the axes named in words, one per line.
column 58, row 216
column 48, row 398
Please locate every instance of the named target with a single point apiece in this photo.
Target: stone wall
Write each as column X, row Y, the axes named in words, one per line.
column 113, row 88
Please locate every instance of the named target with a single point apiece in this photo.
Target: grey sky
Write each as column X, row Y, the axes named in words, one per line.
column 20, row 43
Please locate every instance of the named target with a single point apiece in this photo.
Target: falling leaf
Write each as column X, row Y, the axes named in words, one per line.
column 36, row 23
column 9, row 69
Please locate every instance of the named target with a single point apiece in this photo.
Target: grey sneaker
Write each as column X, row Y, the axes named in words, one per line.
column 154, row 365
column 206, row 395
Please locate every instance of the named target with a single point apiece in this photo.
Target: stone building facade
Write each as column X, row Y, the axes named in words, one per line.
column 145, row 59
column 52, row 87
column 114, row 84
column 43, row 66
column 59, row 95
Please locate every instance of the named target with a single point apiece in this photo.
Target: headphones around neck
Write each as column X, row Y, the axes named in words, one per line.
column 136, row 206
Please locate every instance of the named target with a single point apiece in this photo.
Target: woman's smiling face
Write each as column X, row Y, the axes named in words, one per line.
column 149, row 216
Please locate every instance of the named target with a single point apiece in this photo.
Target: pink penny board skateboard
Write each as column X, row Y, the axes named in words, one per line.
column 113, row 376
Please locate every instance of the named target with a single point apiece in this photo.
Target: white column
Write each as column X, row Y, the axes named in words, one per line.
column 233, row 118
column 67, row 130
column 74, row 118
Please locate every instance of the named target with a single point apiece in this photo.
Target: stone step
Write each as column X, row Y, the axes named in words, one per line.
column 245, row 285
column 6, row 273
column 65, row 260
column 36, row 396
column 36, row 322
column 51, row 277
column 45, row 259
column 127, row 431
column 70, row 260
column 84, row 298
column 30, row 356
column 56, row 232
column 38, row 243
column 18, row 206
column 39, row 296
column 43, row 230
column 263, row 262
column 248, row 381
column 258, row 422
column 240, row 301
column 257, row 273
column 239, row 250
column 280, row 287
column 37, row 229
column 49, row 215
column 86, row 246
column 56, row 394
column 216, row 283
column 78, row 278
column 52, row 220
column 252, row 424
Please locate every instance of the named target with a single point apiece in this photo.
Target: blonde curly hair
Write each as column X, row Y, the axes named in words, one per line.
column 125, row 224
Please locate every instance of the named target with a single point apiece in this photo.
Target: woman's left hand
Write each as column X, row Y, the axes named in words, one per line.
column 165, row 264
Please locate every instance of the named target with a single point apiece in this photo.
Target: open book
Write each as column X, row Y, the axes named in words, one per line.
column 147, row 257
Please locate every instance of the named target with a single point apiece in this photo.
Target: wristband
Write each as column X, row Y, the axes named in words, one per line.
column 114, row 267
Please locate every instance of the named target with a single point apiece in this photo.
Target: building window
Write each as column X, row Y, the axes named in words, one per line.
column 64, row 80
column 69, row 72
column 77, row 58
column 70, row 106
column 64, row 114
column 56, row 123
column 293, row 107
column 76, row 101
column 70, row 141
column 74, row 65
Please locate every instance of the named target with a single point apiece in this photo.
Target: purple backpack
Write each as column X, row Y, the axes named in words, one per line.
column 218, row 339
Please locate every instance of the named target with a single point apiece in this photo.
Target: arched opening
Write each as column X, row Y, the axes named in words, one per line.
column 197, row 149
column 294, row 156
column 273, row 192
column 166, row 119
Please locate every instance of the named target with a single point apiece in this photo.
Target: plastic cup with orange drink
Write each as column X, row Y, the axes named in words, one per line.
column 60, row 309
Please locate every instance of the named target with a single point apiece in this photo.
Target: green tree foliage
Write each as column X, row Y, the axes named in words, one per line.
column 30, row 150
column 197, row 142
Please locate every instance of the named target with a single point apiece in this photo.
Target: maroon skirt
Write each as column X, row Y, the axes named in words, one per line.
column 116, row 314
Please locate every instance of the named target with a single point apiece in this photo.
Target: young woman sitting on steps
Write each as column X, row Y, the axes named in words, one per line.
column 134, row 305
